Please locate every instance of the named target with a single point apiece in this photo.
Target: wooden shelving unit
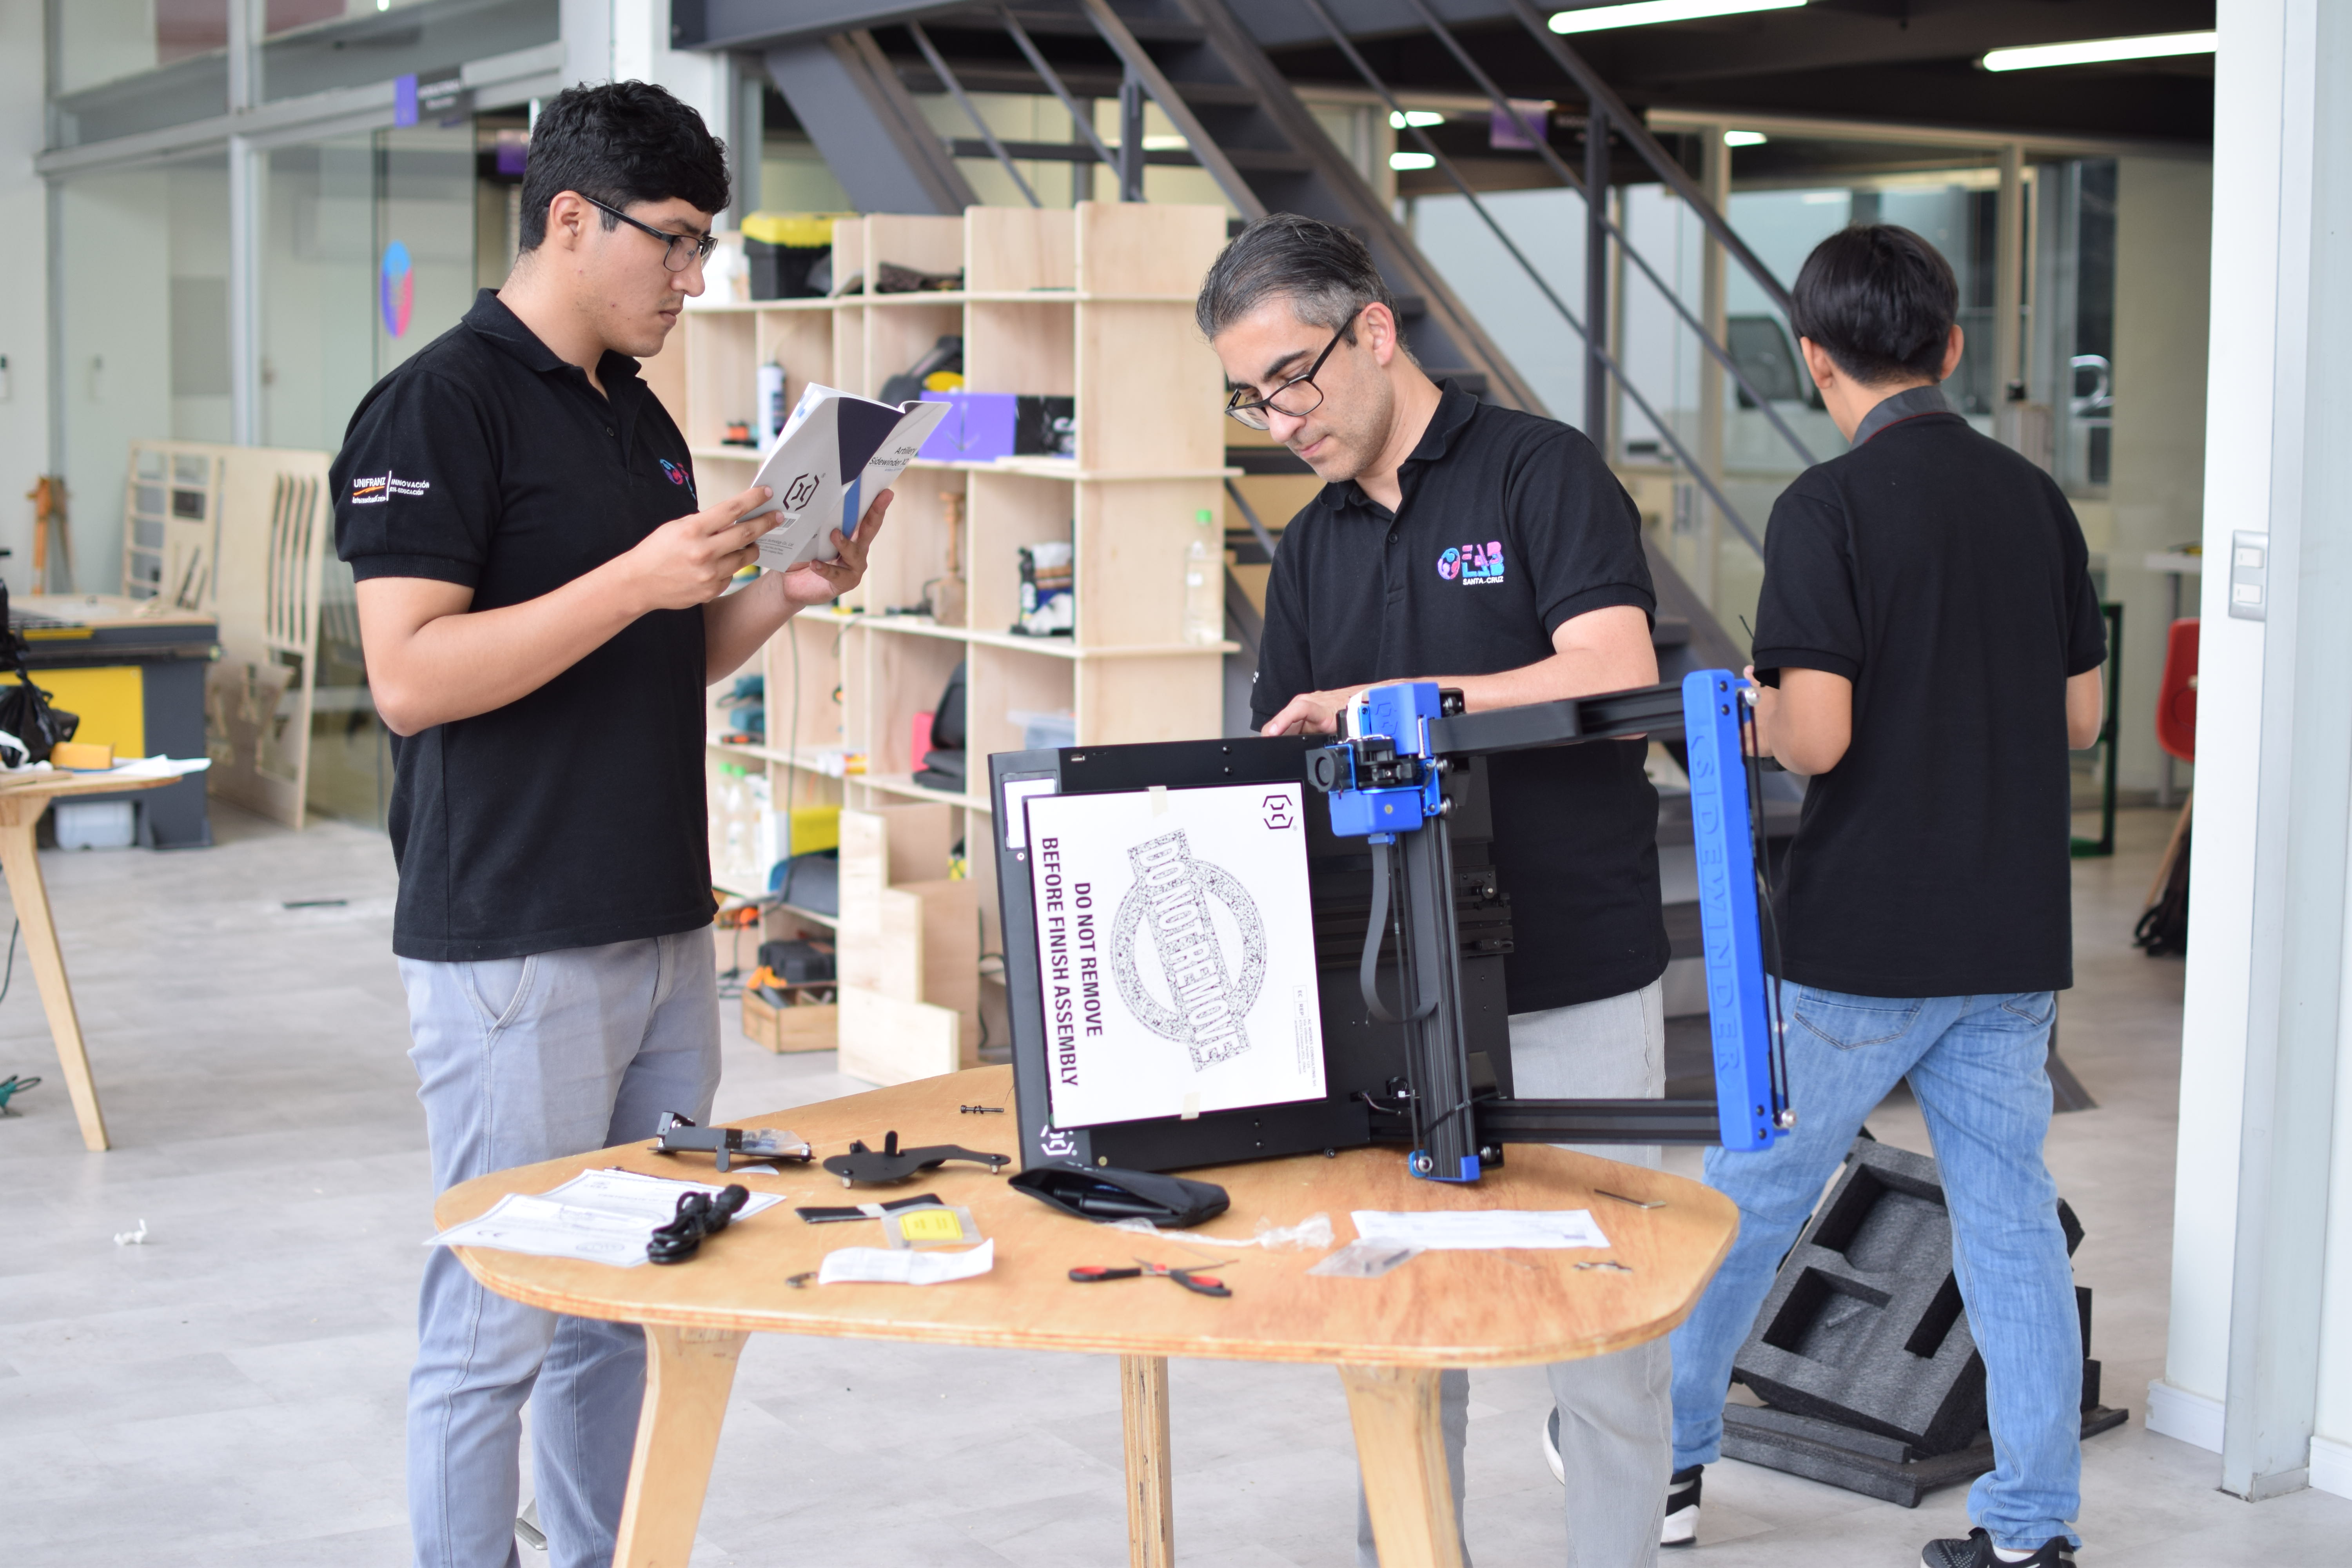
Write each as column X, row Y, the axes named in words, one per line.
column 1093, row 303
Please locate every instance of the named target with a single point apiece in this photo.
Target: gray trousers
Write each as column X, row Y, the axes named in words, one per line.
column 1616, row 1412
column 518, row 1060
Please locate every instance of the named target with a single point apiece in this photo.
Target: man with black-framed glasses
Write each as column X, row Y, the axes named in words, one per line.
column 540, row 599
column 1493, row 551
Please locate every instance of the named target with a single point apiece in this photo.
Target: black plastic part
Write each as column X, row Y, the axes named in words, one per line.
column 868, row 1167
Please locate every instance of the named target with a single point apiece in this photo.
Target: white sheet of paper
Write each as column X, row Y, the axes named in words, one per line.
column 1480, row 1229
column 882, row 1265
column 602, row 1216
column 1175, row 951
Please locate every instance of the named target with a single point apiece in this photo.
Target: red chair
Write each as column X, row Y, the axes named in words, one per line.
column 2176, row 697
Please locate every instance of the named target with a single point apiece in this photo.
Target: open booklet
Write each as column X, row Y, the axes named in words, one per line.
column 834, row 456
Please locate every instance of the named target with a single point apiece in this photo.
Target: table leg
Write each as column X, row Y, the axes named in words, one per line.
column 20, row 862
column 1402, row 1451
column 688, row 1372
column 1151, row 1511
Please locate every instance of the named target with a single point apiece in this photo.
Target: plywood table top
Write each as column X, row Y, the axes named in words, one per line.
column 1440, row 1310
column 49, row 786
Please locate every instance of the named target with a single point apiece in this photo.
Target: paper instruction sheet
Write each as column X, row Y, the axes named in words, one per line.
column 602, row 1216
column 1176, row 950
column 1479, row 1229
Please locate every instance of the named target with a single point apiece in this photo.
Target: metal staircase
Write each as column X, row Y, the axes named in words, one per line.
column 1204, row 64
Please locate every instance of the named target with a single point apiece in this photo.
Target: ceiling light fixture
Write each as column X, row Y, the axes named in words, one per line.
column 1648, row 13
column 1423, row 117
column 2098, row 51
column 1745, row 139
column 1408, row 162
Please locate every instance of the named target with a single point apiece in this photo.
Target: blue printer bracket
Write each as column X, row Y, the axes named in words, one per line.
column 1384, row 781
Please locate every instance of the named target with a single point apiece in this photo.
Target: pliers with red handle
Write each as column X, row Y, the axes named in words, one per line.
column 1192, row 1279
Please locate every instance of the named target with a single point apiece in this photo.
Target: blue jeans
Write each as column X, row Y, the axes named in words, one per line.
column 519, row 1060
column 1976, row 1065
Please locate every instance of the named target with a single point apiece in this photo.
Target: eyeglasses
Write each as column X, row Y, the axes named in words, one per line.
column 679, row 250
column 1294, row 399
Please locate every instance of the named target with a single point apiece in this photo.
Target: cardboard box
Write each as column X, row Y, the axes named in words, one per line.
column 807, row 1026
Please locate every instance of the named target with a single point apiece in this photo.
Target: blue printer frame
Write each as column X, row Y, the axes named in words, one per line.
column 1433, row 1073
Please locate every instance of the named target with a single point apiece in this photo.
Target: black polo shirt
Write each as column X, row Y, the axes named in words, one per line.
column 1509, row 525
column 574, row 816
column 1946, row 577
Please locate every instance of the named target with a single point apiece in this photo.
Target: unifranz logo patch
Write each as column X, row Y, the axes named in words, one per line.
column 383, row 487
column 1471, row 564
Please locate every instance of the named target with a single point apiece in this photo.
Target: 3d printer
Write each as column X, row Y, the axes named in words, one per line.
column 1401, row 897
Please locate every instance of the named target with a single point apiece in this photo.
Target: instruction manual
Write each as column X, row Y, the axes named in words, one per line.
column 1175, row 951
column 832, row 457
column 601, row 1216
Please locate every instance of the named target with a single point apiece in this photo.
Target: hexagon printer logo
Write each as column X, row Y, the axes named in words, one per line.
column 396, row 288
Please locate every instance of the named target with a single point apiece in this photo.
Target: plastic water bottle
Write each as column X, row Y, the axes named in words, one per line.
column 774, row 409
column 1204, row 584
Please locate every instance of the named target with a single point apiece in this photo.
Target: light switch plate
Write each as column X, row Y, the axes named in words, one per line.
column 2250, row 576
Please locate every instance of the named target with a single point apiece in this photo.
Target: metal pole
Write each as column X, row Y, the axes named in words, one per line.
column 2009, row 293
column 1596, row 277
column 1714, row 178
column 1171, row 103
column 1131, row 137
column 963, row 99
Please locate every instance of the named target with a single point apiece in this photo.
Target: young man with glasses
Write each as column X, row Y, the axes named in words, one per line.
column 540, row 602
column 1492, row 551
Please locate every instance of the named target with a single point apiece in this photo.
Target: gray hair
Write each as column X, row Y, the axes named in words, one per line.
column 1323, row 270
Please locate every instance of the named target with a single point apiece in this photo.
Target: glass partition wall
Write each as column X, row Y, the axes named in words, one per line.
column 220, row 287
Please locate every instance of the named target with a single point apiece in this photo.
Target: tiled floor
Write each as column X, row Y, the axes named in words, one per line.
column 231, row 1392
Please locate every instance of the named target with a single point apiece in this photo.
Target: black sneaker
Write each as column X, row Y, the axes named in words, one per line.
column 1681, row 1528
column 1977, row 1551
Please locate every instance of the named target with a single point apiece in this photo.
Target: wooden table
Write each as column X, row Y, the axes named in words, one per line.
column 1390, row 1337
column 22, row 800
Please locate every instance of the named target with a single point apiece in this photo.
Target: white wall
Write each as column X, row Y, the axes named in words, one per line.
column 2243, row 354
column 23, row 285
column 2240, row 362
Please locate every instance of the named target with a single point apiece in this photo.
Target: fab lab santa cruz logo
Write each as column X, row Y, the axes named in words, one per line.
column 1473, row 564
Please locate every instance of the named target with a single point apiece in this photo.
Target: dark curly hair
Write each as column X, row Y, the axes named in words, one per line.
column 619, row 143
column 1882, row 301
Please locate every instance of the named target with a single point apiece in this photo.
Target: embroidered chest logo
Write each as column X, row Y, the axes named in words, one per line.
column 383, row 487
column 1473, row 564
column 678, row 476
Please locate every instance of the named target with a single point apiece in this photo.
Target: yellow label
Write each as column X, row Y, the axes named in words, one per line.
column 930, row 1224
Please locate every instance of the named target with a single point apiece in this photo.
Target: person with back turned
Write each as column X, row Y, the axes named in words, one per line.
column 1930, row 645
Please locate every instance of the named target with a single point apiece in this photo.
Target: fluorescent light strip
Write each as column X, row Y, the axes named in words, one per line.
column 1421, row 117
column 1648, row 13
column 2096, row 51
column 1411, row 160
column 1745, row 138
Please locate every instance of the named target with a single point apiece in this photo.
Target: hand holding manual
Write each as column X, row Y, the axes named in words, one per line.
column 834, row 456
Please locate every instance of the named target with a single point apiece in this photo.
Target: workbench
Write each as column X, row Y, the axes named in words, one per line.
column 23, row 798
column 132, row 670
column 1390, row 1337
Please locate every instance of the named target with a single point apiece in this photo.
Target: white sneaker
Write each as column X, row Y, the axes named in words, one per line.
column 1681, row 1528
